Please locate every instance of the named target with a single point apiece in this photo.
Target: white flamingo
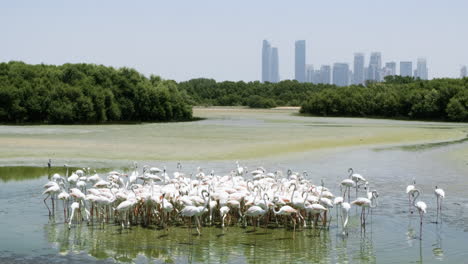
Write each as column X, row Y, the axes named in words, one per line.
column 421, row 206
column 440, row 195
column 409, row 190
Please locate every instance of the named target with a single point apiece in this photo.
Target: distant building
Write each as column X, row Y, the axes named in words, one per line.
column 463, row 72
column 266, row 61
column 341, row 74
column 270, row 63
column 325, row 74
column 359, row 73
column 406, row 68
column 274, row 70
column 375, row 67
column 317, row 77
column 421, row 70
column 391, row 67
column 309, row 73
column 300, row 61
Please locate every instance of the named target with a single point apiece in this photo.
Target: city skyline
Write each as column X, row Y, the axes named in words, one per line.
column 209, row 40
column 341, row 72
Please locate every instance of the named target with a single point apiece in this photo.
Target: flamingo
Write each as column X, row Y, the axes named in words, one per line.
column 64, row 196
column 409, row 190
column 166, row 207
column 363, row 203
column 286, row 211
column 315, row 210
column 345, row 207
column 347, row 184
column 123, row 209
column 54, row 189
column 74, row 206
column 357, row 178
column 190, row 210
column 440, row 195
column 224, row 210
column 256, row 211
column 421, row 206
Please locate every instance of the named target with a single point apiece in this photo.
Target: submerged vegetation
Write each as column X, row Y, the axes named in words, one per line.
column 86, row 93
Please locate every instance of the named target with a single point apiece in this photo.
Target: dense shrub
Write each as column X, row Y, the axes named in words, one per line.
column 86, row 93
column 397, row 97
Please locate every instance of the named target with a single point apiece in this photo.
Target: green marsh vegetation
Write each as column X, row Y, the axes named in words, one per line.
column 86, row 93
column 397, row 97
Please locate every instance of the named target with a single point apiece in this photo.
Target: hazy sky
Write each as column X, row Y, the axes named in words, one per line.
column 222, row 39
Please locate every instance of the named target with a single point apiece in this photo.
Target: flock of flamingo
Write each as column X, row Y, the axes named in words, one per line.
column 258, row 197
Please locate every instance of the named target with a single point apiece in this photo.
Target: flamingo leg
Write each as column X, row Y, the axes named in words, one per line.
column 440, row 209
column 420, row 225
column 46, row 203
column 64, row 212
column 198, row 225
column 53, row 204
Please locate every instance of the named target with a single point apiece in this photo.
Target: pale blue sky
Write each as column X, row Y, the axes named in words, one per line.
column 222, row 39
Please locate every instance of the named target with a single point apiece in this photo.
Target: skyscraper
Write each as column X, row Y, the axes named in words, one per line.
column 463, row 72
column 270, row 63
column 300, row 61
column 325, row 74
column 341, row 74
column 274, row 69
column 375, row 67
column 422, row 71
column 266, row 58
column 359, row 77
column 406, row 68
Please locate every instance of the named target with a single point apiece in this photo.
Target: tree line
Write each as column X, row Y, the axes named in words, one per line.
column 255, row 94
column 87, row 93
column 396, row 97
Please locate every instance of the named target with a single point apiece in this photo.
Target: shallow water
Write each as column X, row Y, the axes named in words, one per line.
column 29, row 236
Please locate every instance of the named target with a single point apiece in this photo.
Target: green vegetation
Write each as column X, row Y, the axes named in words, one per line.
column 86, row 93
column 397, row 97
column 252, row 94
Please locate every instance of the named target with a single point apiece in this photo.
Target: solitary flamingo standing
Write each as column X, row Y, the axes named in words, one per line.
column 440, row 195
column 409, row 190
column 421, row 206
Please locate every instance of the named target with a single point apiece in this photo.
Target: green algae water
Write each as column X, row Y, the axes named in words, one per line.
column 371, row 147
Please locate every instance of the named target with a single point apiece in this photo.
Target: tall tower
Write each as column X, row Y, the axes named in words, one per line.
column 406, row 68
column 421, row 69
column 359, row 77
column 266, row 61
column 300, row 61
column 375, row 67
column 274, row 69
